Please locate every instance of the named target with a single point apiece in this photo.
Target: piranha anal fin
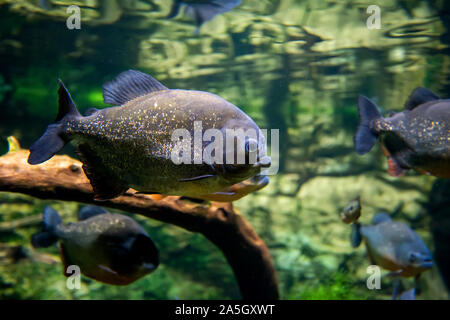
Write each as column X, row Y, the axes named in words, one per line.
column 130, row 85
column 409, row 294
column 52, row 140
column 105, row 183
column 90, row 211
column 65, row 259
column 394, row 170
column 365, row 137
column 420, row 96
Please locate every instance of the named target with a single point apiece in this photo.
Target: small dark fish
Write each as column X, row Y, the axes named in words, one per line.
column 393, row 246
column 131, row 145
column 417, row 138
column 352, row 211
column 202, row 10
column 110, row 248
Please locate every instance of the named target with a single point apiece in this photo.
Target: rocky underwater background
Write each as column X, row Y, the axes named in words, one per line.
column 294, row 65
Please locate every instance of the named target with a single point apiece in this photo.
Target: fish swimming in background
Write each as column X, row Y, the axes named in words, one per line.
column 202, row 10
column 110, row 248
column 131, row 145
column 352, row 211
column 393, row 246
column 417, row 138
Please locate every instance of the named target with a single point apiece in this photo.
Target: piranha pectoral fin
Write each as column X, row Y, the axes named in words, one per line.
column 52, row 140
column 105, row 183
column 206, row 176
column 365, row 137
column 355, row 235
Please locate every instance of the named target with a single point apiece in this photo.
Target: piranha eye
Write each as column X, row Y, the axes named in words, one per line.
column 251, row 145
column 412, row 257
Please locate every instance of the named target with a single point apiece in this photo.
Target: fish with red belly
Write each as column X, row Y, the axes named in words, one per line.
column 110, row 248
column 417, row 138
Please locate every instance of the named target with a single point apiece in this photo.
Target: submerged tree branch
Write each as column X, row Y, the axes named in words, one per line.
column 62, row 178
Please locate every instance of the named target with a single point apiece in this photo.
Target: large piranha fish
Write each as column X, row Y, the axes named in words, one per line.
column 131, row 145
column 417, row 138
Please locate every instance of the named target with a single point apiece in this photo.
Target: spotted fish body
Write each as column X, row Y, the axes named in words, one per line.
column 393, row 246
column 111, row 248
column 131, row 145
column 417, row 138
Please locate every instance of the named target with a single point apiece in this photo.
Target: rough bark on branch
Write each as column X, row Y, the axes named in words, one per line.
column 62, row 178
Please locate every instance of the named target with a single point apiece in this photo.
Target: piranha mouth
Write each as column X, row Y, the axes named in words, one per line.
column 428, row 264
column 264, row 162
column 148, row 266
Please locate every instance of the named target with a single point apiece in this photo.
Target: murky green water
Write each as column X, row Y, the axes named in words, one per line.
column 293, row 65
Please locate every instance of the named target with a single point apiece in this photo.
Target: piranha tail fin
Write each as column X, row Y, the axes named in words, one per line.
column 355, row 236
column 365, row 138
column 47, row 237
column 52, row 140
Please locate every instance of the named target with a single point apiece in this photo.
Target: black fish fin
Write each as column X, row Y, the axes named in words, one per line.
column 51, row 219
column 105, row 183
column 128, row 86
column 409, row 294
column 107, row 269
column 355, row 235
column 380, row 218
column 202, row 12
column 365, row 138
column 420, row 96
column 43, row 239
column 90, row 112
column 206, row 176
column 90, row 211
column 52, row 140
column 175, row 10
column 65, row 259
column 46, row 238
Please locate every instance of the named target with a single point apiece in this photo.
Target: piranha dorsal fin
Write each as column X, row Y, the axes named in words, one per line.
column 105, row 183
column 420, row 96
column 130, row 85
column 380, row 217
column 90, row 211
